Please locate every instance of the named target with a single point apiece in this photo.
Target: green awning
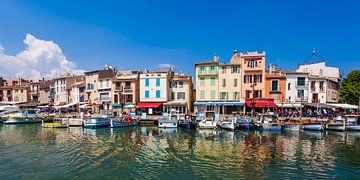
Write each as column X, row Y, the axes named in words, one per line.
column 116, row 105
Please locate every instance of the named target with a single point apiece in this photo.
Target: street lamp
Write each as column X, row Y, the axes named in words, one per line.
column 122, row 103
column 253, row 98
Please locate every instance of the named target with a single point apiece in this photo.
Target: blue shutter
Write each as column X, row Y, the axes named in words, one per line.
column 158, row 94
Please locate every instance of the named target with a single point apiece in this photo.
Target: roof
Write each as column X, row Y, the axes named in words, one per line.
column 206, row 62
column 106, row 73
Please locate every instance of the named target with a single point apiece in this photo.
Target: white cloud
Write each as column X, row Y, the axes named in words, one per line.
column 39, row 59
column 165, row 66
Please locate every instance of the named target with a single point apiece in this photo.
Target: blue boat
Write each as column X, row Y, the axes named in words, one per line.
column 188, row 123
column 124, row 121
column 245, row 123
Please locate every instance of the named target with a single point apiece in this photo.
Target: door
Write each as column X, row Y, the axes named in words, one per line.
column 315, row 98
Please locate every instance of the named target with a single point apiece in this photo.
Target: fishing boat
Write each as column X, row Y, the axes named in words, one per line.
column 96, row 122
column 54, row 125
column 168, row 121
column 352, row 122
column 24, row 117
column 268, row 122
column 208, row 121
column 6, row 110
column 188, row 123
column 336, row 125
column 291, row 125
column 124, row 121
column 227, row 124
column 245, row 122
column 312, row 125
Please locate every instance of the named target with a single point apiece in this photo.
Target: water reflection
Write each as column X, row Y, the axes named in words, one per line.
column 150, row 152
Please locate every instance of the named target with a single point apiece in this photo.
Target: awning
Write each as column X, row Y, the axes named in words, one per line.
column 261, row 102
column 343, row 105
column 288, row 105
column 319, row 105
column 218, row 103
column 116, row 105
column 68, row 105
column 148, row 104
column 129, row 105
column 84, row 106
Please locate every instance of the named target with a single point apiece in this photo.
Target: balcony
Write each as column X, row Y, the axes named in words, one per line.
column 304, row 99
column 128, row 89
column 301, row 86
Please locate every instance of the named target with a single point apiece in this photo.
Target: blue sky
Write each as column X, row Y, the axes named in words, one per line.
column 138, row 34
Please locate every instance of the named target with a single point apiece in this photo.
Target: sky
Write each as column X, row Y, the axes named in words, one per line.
column 41, row 38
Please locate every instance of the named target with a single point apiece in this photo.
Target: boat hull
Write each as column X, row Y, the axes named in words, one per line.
column 22, row 121
column 312, row 127
column 353, row 128
column 207, row 125
column 227, row 126
column 167, row 124
column 270, row 127
column 119, row 124
column 188, row 125
column 96, row 123
column 54, row 125
column 335, row 127
column 245, row 125
column 76, row 122
column 292, row 127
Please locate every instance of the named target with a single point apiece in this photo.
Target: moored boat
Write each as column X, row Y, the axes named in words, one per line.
column 189, row 124
column 168, row 121
column 268, row 122
column 207, row 123
column 312, row 125
column 336, row 125
column 227, row 124
column 291, row 125
column 124, row 121
column 25, row 117
column 96, row 122
column 352, row 122
column 245, row 123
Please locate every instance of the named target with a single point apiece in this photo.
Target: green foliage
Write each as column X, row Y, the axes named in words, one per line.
column 350, row 88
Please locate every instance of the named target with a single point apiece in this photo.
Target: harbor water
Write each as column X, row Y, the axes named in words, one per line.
column 29, row 151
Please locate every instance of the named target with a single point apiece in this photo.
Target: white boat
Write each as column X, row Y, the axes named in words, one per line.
column 24, row 117
column 352, row 122
column 336, row 125
column 291, row 125
column 75, row 121
column 208, row 123
column 95, row 122
column 312, row 125
column 6, row 110
column 227, row 124
column 267, row 122
column 168, row 121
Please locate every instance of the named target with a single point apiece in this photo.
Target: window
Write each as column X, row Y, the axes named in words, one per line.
column 104, row 96
column 235, row 83
column 321, row 85
column 247, row 94
column 235, row 69
column 300, row 94
column 157, row 81
column 212, row 81
column 100, row 83
column 147, row 83
column 202, row 70
column 181, row 95
column 252, row 63
column 289, row 85
column 258, row 93
column 157, row 94
column 258, row 78
column 212, row 94
column 223, row 69
column 181, row 84
column 236, row 95
column 224, row 95
column 107, row 83
column 202, row 81
column 172, row 95
column 312, row 86
column 173, row 84
column 301, row 81
column 202, row 94
column 275, row 85
column 212, row 69
column 147, row 94
column 247, row 79
column 223, row 82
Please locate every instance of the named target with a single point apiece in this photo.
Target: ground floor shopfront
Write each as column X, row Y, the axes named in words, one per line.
column 221, row 107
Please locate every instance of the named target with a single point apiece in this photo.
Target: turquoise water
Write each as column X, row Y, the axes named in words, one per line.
column 29, row 151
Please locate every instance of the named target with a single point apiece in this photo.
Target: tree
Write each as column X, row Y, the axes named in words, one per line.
column 350, row 88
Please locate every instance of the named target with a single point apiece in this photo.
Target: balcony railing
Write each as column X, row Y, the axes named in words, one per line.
column 298, row 99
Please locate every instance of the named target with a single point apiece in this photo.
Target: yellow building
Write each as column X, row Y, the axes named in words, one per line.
column 218, row 86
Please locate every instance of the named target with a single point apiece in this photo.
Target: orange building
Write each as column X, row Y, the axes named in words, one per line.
column 275, row 85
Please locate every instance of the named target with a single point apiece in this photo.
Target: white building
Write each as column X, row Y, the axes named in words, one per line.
column 324, row 82
column 154, row 90
column 297, row 87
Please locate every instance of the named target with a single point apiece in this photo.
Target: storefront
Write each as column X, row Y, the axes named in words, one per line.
column 151, row 108
column 222, row 107
column 178, row 107
column 261, row 105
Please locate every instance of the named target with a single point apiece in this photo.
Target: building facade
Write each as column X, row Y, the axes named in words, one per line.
column 275, row 85
column 297, row 87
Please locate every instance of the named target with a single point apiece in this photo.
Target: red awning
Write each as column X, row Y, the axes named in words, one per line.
column 261, row 102
column 148, row 104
